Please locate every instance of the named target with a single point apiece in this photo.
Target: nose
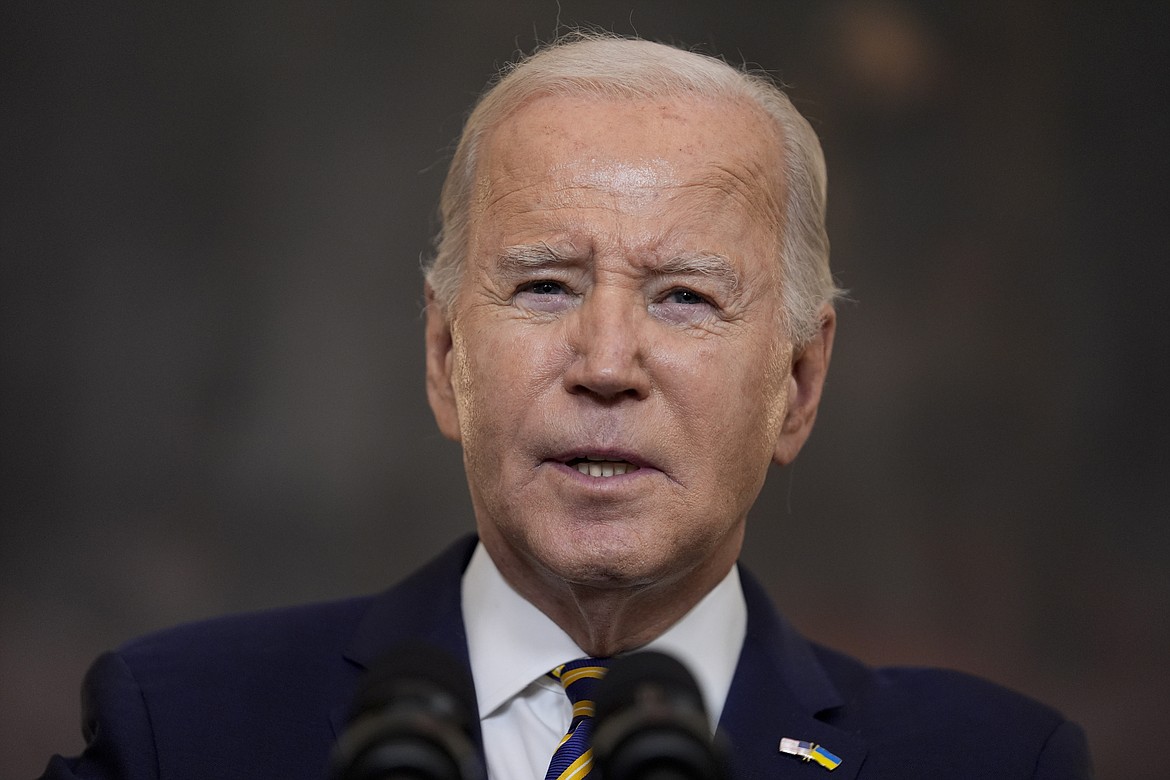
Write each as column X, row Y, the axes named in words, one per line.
column 609, row 355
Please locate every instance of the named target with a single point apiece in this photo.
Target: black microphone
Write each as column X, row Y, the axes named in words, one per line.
column 412, row 719
column 650, row 723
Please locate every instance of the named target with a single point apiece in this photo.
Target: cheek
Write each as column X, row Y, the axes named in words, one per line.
column 777, row 386
column 500, row 372
column 742, row 394
column 481, row 417
column 464, row 394
column 473, row 380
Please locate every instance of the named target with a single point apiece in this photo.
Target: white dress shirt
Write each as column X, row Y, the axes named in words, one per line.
column 513, row 645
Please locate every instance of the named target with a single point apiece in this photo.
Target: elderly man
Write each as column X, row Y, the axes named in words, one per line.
column 629, row 318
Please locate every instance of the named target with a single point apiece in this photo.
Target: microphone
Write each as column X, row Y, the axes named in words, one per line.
column 411, row 720
column 650, row 723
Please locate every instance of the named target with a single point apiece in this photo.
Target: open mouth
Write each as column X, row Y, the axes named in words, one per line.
column 600, row 467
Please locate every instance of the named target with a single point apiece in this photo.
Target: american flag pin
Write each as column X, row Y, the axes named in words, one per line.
column 809, row 751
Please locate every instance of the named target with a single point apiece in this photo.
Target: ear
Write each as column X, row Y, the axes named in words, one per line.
column 805, row 382
column 440, row 356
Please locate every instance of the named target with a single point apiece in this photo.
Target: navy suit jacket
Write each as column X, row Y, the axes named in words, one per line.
column 266, row 696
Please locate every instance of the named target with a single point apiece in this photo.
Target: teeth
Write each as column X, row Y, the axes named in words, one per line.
column 605, row 468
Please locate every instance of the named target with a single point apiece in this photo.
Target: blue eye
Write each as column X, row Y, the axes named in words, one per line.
column 544, row 288
column 685, row 296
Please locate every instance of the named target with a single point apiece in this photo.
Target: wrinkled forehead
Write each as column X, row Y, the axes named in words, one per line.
column 635, row 148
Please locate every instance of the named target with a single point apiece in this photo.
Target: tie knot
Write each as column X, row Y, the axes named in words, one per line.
column 580, row 677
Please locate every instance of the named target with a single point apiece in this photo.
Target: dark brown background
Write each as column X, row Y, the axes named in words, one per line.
column 212, row 392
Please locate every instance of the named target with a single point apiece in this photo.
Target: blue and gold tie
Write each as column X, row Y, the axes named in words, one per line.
column 574, row 757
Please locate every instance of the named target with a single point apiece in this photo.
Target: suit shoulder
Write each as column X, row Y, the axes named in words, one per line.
column 262, row 694
column 198, row 699
column 952, row 722
column 934, row 694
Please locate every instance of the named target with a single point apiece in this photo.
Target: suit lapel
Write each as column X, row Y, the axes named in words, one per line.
column 425, row 608
column 779, row 689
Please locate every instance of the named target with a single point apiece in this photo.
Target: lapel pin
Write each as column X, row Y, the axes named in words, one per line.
column 810, row 751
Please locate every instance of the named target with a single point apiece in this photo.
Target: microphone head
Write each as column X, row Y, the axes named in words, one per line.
column 413, row 718
column 651, row 723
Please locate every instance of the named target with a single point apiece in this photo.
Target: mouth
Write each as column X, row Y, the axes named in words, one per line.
column 601, row 467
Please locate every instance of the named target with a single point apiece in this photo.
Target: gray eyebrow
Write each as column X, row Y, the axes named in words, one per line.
column 711, row 265
column 528, row 256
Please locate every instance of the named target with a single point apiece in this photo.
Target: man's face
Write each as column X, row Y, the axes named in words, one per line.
column 615, row 364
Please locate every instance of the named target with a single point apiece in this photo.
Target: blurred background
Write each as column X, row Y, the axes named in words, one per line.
column 211, row 222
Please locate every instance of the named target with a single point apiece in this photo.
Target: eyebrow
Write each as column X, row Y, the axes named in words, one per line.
column 525, row 257
column 711, row 265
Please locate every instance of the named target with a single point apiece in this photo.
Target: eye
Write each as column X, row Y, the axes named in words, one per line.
column 683, row 306
column 684, row 296
column 543, row 287
column 544, row 295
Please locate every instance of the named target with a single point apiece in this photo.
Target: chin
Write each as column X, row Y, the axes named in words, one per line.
column 610, row 561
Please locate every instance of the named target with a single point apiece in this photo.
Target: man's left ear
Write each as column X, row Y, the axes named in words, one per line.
column 805, row 382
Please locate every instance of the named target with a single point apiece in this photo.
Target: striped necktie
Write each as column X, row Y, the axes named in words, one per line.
column 574, row 757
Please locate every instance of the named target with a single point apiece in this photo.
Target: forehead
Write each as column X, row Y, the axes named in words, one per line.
column 633, row 149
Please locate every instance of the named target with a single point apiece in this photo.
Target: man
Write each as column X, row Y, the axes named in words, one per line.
column 629, row 318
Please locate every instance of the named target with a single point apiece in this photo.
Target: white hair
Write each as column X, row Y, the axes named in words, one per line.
column 611, row 67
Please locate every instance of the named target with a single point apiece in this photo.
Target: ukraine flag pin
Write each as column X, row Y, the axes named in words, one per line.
column 810, row 751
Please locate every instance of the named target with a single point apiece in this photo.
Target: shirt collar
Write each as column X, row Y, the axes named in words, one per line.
column 511, row 643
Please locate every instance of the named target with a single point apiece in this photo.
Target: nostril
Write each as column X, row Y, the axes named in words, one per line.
column 608, row 393
column 608, row 379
